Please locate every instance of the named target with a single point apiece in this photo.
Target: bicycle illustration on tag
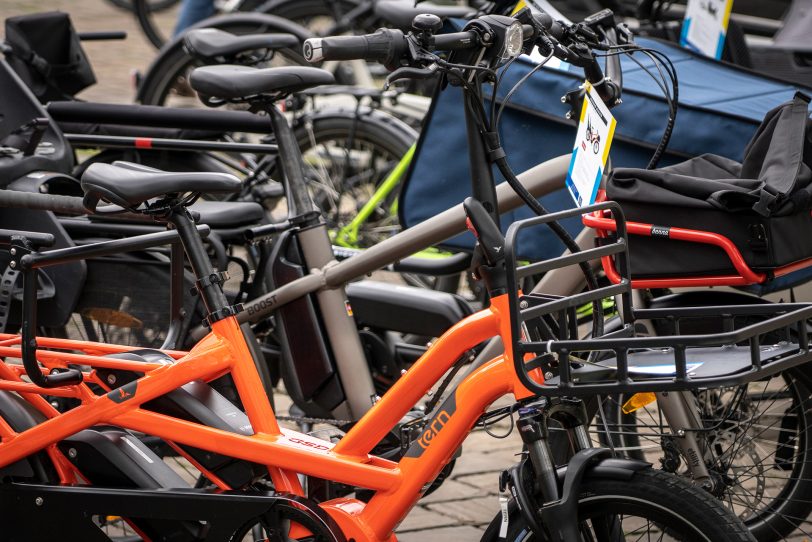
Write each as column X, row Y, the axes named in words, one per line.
column 591, row 137
column 711, row 8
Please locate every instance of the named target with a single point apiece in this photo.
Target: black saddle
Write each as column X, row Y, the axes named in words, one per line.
column 210, row 43
column 130, row 185
column 401, row 13
column 227, row 82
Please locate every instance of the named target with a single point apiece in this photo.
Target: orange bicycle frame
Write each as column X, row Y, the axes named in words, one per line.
column 397, row 486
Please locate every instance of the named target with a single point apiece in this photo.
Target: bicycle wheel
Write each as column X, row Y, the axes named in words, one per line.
column 143, row 11
column 321, row 15
column 759, row 452
column 347, row 156
column 154, row 5
column 651, row 505
column 167, row 79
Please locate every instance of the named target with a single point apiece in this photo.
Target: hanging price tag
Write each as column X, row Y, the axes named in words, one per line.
column 705, row 26
column 595, row 131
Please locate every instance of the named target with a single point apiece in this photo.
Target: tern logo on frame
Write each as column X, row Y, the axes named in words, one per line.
column 124, row 393
column 433, row 427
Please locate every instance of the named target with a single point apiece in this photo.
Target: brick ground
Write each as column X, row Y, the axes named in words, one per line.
column 465, row 504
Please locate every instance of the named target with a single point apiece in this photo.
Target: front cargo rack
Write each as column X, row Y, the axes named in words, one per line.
column 550, row 358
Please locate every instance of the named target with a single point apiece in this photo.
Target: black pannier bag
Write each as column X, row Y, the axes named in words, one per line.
column 46, row 53
column 761, row 205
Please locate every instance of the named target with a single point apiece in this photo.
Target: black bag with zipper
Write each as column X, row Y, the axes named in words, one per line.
column 762, row 205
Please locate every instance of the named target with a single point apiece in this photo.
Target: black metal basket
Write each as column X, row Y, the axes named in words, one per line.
column 757, row 341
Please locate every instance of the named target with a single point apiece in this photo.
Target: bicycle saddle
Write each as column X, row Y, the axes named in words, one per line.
column 227, row 82
column 210, row 43
column 401, row 13
column 130, row 185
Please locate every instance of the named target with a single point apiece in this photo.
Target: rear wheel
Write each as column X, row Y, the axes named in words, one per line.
column 651, row 505
column 347, row 157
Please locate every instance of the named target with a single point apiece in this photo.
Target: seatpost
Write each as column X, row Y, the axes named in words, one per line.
column 317, row 252
column 209, row 283
column 300, row 204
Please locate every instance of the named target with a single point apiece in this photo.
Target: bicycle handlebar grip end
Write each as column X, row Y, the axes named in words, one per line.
column 312, row 50
column 384, row 46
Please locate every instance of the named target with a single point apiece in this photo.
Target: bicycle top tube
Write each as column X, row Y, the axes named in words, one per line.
column 540, row 180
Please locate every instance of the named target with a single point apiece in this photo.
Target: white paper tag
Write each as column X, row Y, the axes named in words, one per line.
column 503, row 526
column 705, row 26
column 592, row 142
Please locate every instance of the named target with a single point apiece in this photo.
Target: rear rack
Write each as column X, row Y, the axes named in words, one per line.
column 551, row 359
column 744, row 275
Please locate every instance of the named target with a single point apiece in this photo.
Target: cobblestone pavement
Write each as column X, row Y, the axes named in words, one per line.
column 466, row 503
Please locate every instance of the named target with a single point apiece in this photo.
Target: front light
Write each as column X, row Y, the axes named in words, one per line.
column 514, row 40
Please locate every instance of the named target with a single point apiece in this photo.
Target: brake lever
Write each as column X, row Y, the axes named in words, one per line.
column 409, row 72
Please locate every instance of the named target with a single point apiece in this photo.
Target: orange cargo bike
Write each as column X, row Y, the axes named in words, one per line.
column 63, row 474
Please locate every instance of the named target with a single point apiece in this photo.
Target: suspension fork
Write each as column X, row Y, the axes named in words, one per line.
column 558, row 507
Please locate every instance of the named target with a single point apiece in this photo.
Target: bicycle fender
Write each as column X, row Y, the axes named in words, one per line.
column 615, row 468
column 263, row 22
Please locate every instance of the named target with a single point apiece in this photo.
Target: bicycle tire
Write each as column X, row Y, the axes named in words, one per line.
column 169, row 69
column 688, row 512
column 154, row 5
column 771, row 513
column 143, row 15
column 304, row 11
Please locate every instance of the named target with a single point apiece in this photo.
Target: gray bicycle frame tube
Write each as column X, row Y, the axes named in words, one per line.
column 540, row 180
column 327, row 277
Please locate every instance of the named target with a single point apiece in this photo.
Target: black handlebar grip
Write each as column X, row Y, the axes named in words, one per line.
column 68, row 377
column 384, row 46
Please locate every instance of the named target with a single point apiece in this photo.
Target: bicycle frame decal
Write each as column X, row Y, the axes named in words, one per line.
column 434, row 426
column 124, row 393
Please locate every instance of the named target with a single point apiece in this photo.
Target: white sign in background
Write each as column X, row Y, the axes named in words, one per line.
column 592, row 142
column 705, row 26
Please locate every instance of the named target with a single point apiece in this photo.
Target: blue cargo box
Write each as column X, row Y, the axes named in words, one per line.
column 720, row 108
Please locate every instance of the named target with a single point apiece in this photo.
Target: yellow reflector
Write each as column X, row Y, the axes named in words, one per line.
column 519, row 6
column 638, row 401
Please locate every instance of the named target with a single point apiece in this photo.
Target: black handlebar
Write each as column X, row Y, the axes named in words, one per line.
column 386, row 46
column 102, row 36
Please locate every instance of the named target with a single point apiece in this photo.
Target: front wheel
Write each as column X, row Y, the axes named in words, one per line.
column 651, row 505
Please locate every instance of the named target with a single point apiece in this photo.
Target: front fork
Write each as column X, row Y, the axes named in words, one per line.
column 556, row 508
column 681, row 412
